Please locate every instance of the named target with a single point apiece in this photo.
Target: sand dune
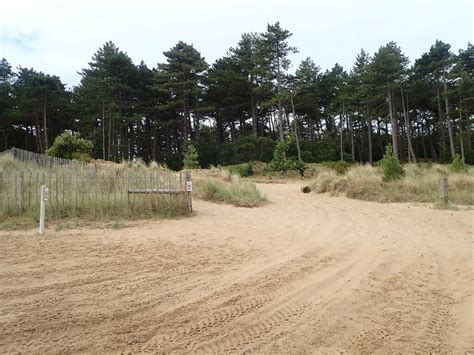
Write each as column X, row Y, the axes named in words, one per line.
column 304, row 274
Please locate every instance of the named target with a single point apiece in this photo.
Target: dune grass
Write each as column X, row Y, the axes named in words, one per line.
column 94, row 191
column 224, row 187
column 420, row 183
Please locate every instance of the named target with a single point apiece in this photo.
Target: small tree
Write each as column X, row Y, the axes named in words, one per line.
column 458, row 165
column 70, row 145
column 391, row 167
column 190, row 160
column 281, row 159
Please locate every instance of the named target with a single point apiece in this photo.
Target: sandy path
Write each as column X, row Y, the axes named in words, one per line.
column 306, row 273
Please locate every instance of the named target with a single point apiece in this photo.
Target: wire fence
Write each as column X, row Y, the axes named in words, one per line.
column 77, row 190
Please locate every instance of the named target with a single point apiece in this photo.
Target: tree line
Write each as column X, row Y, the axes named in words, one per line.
column 236, row 109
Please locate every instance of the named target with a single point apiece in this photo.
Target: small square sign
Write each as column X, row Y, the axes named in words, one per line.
column 189, row 186
column 45, row 194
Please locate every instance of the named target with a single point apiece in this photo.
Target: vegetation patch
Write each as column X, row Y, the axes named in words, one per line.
column 229, row 188
column 419, row 183
column 90, row 191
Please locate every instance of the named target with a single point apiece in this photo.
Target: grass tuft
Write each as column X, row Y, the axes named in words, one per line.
column 228, row 188
column 420, row 183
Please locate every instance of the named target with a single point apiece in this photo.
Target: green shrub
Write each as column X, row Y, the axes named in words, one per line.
column 324, row 149
column 243, row 170
column 339, row 167
column 457, row 165
column 190, row 160
column 391, row 167
column 70, row 145
column 282, row 161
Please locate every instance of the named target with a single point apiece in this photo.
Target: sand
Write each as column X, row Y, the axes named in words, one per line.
column 306, row 273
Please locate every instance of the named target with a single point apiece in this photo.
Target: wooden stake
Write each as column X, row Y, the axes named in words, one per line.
column 444, row 191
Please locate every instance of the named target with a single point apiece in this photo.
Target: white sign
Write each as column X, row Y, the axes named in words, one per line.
column 44, row 198
column 189, row 186
column 45, row 193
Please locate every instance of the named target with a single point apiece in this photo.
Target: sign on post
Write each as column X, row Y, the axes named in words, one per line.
column 189, row 186
column 44, row 198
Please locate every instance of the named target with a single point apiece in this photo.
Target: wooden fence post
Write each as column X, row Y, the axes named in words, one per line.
column 444, row 191
column 21, row 193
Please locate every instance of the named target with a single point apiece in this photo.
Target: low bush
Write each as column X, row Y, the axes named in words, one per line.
column 339, row 167
column 243, row 170
column 457, row 165
column 70, row 145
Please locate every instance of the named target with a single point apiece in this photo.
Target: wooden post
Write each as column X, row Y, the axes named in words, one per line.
column 444, row 191
column 44, row 198
column 189, row 190
column 21, row 193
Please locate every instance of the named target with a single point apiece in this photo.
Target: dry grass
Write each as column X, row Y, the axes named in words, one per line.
column 94, row 191
column 420, row 184
column 220, row 185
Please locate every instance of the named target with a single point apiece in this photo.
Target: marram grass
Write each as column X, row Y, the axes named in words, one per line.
column 419, row 184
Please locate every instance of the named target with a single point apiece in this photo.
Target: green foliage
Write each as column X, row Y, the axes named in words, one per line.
column 324, row 150
column 190, row 160
column 391, row 167
column 469, row 156
column 340, row 167
column 283, row 161
column 207, row 149
column 245, row 149
column 280, row 160
column 70, row 145
column 243, row 170
column 458, row 165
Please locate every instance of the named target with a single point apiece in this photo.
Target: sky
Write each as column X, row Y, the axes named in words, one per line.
column 60, row 37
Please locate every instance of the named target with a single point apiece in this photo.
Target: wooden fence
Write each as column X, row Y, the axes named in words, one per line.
column 41, row 159
column 75, row 189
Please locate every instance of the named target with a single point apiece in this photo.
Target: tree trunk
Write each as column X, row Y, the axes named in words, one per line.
column 448, row 118
column 341, row 148
column 109, row 149
column 185, row 125
column 296, row 128
column 38, row 134
column 461, row 141
column 379, row 137
column 45, row 122
column 103, row 130
column 369, row 140
column 311, row 129
column 440, row 121
column 280, row 108
column 407, row 127
column 351, row 130
column 393, row 124
column 423, row 145
column 254, row 114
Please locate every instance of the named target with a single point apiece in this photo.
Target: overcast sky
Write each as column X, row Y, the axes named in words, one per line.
column 60, row 37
